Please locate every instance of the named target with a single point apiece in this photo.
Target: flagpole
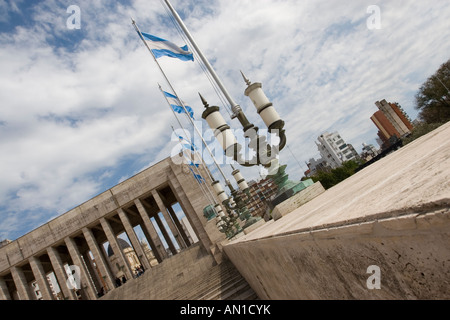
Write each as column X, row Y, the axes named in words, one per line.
column 202, row 56
column 237, row 110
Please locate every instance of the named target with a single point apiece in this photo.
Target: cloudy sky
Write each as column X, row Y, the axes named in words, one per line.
column 80, row 109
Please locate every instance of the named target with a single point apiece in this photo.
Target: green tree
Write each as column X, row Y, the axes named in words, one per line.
column 433, row 98
column 333, row 177
column 420, row 130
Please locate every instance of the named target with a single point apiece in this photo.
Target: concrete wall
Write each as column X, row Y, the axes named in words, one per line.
column 393, row 214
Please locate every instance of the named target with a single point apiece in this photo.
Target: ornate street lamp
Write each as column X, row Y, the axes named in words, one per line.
column 236, row 206
column 266, row 154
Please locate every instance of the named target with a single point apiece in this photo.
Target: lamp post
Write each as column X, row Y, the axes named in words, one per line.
column 266, row 154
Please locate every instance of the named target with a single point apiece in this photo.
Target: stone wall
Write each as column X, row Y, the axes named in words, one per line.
column 411, row 251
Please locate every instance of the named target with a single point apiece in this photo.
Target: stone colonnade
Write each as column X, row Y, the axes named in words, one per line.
column 72, row 247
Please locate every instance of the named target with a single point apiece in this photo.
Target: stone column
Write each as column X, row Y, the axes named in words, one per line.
column 85, row 282
column 168, row 219
column 188, row 209
column 166, row 235
column 179, row 226
column 4, row 292
column 60, row 273
column 41, row 278
column 21, row 283
column 112, row 239
column 99, row 259
column 133, row 238
column 155, row 241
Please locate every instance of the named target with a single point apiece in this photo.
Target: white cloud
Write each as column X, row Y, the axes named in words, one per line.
column 78, row 104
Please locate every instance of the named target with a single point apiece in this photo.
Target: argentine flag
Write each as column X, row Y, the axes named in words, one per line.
column 188, row 145
column 161, row 47
column 175, row 104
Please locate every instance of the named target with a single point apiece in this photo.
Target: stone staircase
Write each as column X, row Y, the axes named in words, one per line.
column 192, row 274
column 223, row 282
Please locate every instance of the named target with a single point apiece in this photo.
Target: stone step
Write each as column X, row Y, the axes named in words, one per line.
column 223, row 282
column 218, row 287
column 222, row 285
column 230, row 291
column 198, row 289
column 248, row 294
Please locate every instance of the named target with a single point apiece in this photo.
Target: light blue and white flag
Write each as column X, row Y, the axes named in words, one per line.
column 175, row 104
column 189, row 145
column 163, row 48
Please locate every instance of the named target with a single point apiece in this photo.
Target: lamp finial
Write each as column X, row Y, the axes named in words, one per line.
column 205, row 103
column 247, row 81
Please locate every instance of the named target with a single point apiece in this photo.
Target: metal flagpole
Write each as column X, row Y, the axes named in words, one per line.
column 234, row 106
column 179, row 100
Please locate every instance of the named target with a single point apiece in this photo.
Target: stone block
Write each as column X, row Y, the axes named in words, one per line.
column 254, row 226
column 14, row 253
column 34, row 242
column 66, row 224
column 4, row 263
column 297, row 200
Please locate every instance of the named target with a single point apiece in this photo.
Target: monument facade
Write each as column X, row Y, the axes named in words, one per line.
column 72, row 246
